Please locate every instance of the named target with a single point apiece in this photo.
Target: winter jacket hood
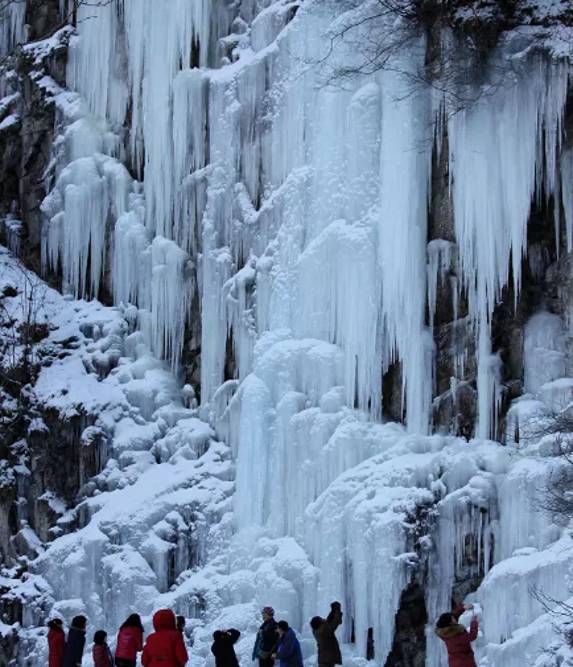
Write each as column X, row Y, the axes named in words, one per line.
column 165, row 647
column 450, row 631
column 164, row 619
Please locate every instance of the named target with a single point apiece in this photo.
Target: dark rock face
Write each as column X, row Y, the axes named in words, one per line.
column 53, row 462
column 9, row 649
column 441, row 214
column 409, row 647
column 37, row 136
column 46, row 459
column 454, row 411
column 392, row 407
column 42, row 17
column 26, row 145
column 10, row 153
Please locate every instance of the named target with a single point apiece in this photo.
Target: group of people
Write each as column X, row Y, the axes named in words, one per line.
column 286, row 647
column 275, row 641
column 163, row 648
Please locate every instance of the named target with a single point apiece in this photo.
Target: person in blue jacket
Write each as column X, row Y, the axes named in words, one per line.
column 288, row 649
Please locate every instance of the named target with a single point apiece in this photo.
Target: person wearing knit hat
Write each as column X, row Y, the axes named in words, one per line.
column 266, row 640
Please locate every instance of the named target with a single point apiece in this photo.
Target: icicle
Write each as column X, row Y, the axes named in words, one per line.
column 130, row 273
column 170, row 28
column 94, row 58
column 402, row 235
column 190, row 140
column 496, row 167
column 251, row 499
column 89, row 192
column 12, row 26
column 338, row 303
column 439, row 264
column 566, row 188
column 240, row 316
column 171, row 293
column 216, row 272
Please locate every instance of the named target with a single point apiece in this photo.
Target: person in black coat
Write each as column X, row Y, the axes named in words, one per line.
column 266, row 641
column 223, row 647
column 75, row 642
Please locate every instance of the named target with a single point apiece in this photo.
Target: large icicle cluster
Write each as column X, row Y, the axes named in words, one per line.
column 503, row 151
column 258, row 165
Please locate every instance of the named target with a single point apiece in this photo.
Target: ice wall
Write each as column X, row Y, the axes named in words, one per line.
column 260, row 169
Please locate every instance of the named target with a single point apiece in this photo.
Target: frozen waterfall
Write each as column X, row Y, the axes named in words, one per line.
column 209, row 177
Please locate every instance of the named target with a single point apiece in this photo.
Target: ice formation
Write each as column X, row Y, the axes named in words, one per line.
column 205, row 173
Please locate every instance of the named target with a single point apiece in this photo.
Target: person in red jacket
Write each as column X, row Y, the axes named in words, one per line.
column 129, row 642
column 100, row 651
column 165, row 647
column 56, row 643
column 457, row 639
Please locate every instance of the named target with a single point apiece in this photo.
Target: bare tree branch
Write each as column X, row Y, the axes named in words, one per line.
column 458, row 52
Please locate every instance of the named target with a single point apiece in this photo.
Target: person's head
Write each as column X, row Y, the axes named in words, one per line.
column 282, row 628
column 181, row 623
column 133, row 621
column 100, row 637
column 164, row 619
column 79, row 622
column 316, row 622
column 217, row 635
column 56, row 624
column 445, row 620
column 267, row 613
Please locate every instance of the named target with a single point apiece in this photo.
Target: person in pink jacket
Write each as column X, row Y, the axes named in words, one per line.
column 129, row 642
column 457, row 639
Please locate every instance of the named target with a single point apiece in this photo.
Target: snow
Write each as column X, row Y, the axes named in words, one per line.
column 10, row 121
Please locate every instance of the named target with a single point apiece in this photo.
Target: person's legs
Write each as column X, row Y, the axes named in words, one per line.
column 266, row 662
column 122, row 662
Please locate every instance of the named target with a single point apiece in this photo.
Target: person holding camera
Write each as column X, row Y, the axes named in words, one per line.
column 223, row 647
column 324, row 630
column 457, row 639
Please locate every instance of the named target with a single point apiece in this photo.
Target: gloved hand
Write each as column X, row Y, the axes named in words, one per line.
column 335, row 606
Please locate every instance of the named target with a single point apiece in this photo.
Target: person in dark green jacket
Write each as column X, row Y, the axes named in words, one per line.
column 324, row 630
column 266, row 639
